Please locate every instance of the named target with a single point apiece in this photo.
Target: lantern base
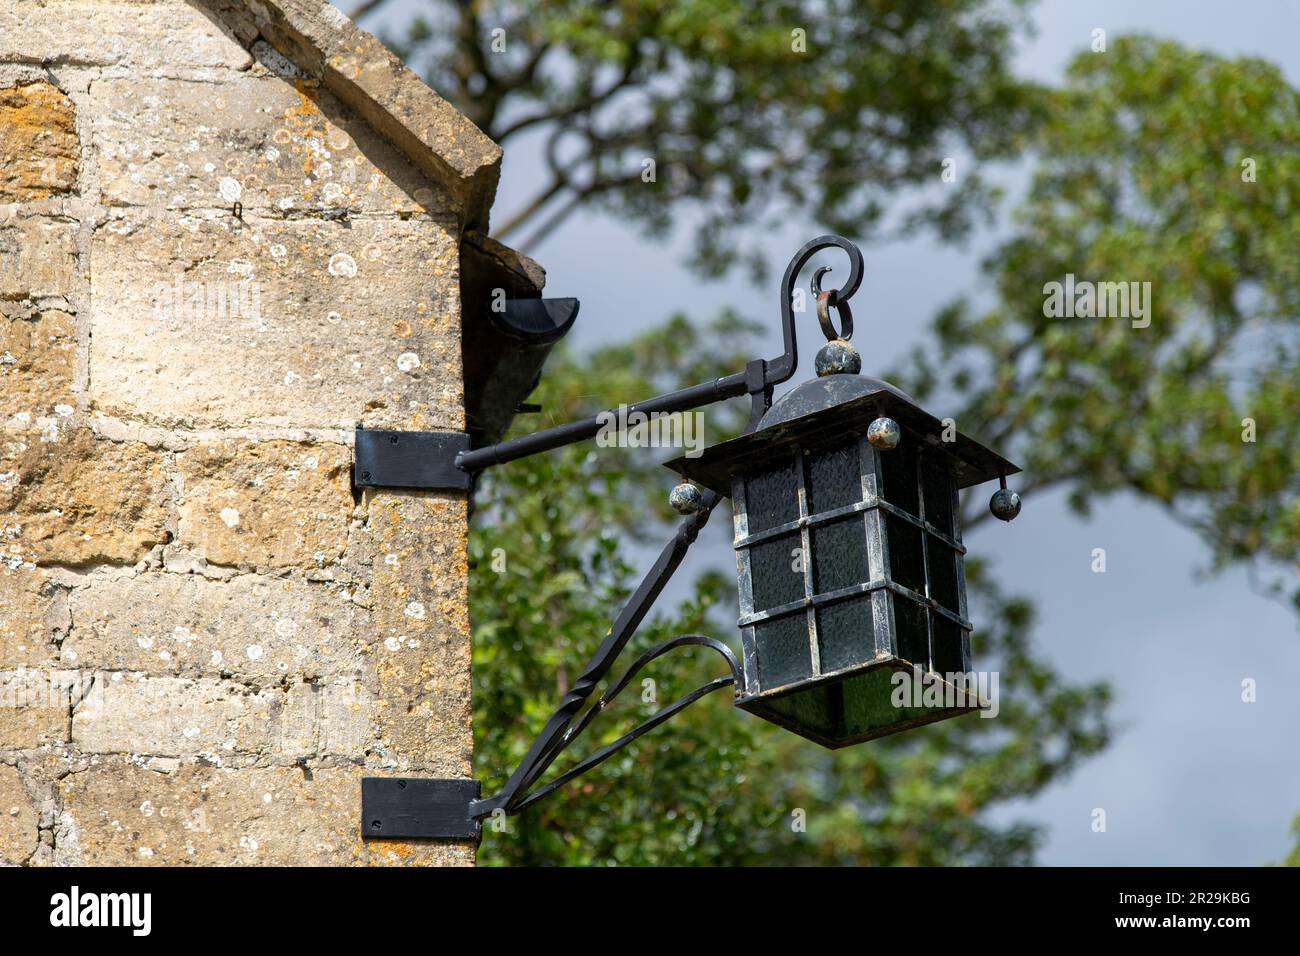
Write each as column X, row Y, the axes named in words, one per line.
column 862, row 703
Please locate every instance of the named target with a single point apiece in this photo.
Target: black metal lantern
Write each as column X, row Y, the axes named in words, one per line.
column 849, row 554
column 848, row 548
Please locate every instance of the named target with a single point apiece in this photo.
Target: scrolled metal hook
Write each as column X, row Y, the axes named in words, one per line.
column 817, row 285
column 784, row 367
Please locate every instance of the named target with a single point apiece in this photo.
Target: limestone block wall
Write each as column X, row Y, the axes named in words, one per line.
column 206, row 637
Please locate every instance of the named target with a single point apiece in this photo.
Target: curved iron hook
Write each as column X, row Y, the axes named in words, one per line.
column 736, row 677
column 657, row 651
column 783, row 368
column 817, row 285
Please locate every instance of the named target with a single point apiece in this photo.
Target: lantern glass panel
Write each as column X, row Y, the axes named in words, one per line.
column 784, row 654
column 833, row 477
column 938, row 494
column 941, row 562
column 771, row 497
column 839, row 554
column 912, row 631
column 947, row 646
column 845, row 633
column 899, row 472
column 906, row 564
column 777, row 572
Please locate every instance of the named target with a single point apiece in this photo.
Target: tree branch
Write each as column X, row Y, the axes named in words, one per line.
column 585, row 105
column 530, row 208
column 366, row 6
column 579, row 197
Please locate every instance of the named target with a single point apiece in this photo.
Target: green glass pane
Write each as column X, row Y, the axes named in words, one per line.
column 846, row 634
column 834, row 478
column 936, row 484
column 899, row 467
column 771, row 497
column 854, row 708
column 943, row 573
column 912, row 632
column 817, row 710
column 869, row 704
column 905, row 560
column 776, row 568
column 783, row 650
column 839, row 554
column 947, row 646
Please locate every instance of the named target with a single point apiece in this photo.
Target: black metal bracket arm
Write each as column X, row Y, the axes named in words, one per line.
column 443, row 461
column 405, row 808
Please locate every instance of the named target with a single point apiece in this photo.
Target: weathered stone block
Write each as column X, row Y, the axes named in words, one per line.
column 33, row 614
column 34, row 707
column 37, row 256
column 266, row 504
column 207, row 320
column 38, row 356
column 80, row 500
column 323, row 42
column 250, row 628
column 116, row 813
column 421, row 644
column 152, row 36
column 173, row 716
column 329, row 719
column 275, row 146
column 19, row 819
column 39, row 155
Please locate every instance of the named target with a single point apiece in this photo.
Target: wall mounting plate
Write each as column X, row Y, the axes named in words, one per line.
column 396, row 459
column 413, row 808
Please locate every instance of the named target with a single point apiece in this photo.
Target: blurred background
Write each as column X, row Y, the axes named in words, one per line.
column 1119, row 142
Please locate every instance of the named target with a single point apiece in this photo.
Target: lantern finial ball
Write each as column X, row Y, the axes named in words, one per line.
column 837, row 357
column 1005, row 504
column 884, row 433
column 685, row 498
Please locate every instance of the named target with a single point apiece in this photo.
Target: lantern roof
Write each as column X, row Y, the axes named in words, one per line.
column 825, row 409
column 826, row 392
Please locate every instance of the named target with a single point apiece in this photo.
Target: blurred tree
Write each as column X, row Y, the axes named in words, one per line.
column 1293, row 858
column 1181, row 169
column 746, row 109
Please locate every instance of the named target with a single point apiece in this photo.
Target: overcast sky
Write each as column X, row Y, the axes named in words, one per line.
column 1195, row 776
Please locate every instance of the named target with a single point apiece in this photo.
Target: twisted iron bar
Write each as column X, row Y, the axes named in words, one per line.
column 553, row 737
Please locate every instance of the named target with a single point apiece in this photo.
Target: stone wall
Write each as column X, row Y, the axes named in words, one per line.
column 206, row 637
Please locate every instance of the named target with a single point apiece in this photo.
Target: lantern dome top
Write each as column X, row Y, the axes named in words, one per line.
column 827, row 392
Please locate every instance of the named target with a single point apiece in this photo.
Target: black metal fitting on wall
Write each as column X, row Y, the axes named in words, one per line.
column 397, row 459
